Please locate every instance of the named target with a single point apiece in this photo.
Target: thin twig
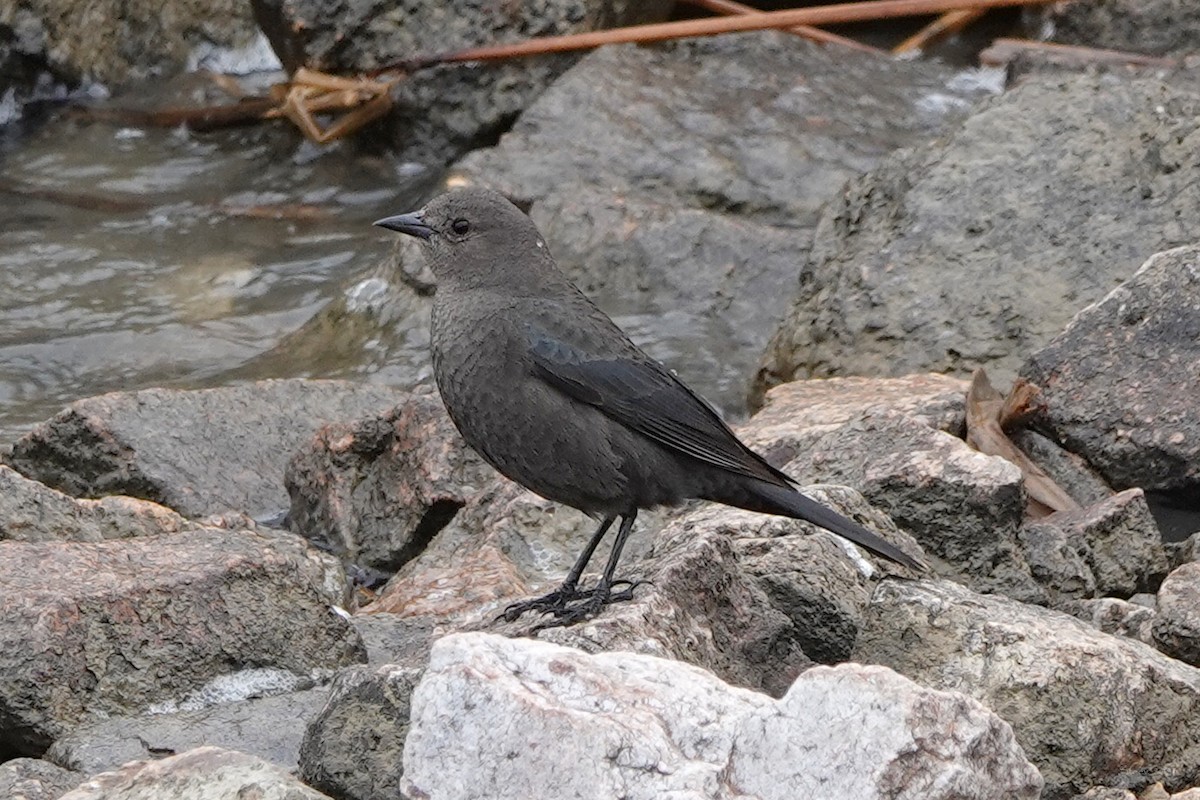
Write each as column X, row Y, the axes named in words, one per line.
column 733, row 8
column 642, row 34
column 948, row 23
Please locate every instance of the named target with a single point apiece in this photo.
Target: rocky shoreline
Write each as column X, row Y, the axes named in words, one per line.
column 177, row 617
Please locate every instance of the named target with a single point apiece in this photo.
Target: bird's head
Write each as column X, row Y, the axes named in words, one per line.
column 472, row 235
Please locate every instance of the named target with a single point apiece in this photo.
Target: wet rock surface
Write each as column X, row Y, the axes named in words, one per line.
column 199, row 452
column 1041, row 202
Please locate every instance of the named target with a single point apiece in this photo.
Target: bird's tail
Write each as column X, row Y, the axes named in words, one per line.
column 787, row 502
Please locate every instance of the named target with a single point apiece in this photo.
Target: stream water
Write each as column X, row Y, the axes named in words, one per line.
column 135, row 257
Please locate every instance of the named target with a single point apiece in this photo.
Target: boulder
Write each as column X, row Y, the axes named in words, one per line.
column 1040, row 203
column 119, row 40
column 1118, row 617
column 1119, row 383
column 31, row 779
column 89, row 630
column 961, row 505
column 1056, row 562
column 198, row 451
column 270, row 728
column 354, row 747
column 1119, row 540
column 205, row 773
column 1177, row 624
column 33, row 512
column 1089, row 709
column 1152, row 27
column 531, row 719
column 377, row 490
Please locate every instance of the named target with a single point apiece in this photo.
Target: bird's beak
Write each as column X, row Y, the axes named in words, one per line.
column 413, row 224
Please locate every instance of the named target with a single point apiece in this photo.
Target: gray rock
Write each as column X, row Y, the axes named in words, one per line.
column 1119, row 383
column 268, row 727
column 802, row 407
column 206, row 773
column 807, row 578
column 116, row 40
column 750, row 597
column 33, row 512
column 504, row 545
column 531, row 719
column 1088, row 708
column 354, row 748
column 1119, row 540
column 161, row 622
column 1177, row 625
column 377, row 490
column 1075, row 181
column 31, row 779
column 395, row 639
column 1072, row 473
column 1055, row 561
column 896, row 441
column 1118, row 617
column 1153, row 27
column 959, row 504
column 443, row 111
column 1186, row 551
column 685, row 196
column 199, row 452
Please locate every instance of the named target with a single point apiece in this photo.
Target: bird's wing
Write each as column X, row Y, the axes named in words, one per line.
column 643, row 395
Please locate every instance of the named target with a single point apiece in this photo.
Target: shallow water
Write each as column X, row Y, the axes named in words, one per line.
column 135, row 257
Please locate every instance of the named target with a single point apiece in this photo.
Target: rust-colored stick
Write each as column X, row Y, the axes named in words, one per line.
column 731, row 7
column 642, row 34
column 943, row 26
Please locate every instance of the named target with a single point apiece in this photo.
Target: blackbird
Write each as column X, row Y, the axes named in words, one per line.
column 549, row 391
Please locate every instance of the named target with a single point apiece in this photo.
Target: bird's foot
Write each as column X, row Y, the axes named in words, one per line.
column 552, row 603
column 569, row 605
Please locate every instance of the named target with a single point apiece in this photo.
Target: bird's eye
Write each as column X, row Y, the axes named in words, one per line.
column 460, row 226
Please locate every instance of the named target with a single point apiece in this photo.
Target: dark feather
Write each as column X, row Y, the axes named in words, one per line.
column 644, row 396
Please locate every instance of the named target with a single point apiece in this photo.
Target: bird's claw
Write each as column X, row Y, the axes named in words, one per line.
column 553, row 603
column 569, row 605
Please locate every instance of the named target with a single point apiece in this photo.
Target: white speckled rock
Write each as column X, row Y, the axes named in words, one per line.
column 522, row 718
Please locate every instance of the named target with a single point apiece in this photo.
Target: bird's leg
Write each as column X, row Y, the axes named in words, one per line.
column 590, row 603
column 557, row 600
